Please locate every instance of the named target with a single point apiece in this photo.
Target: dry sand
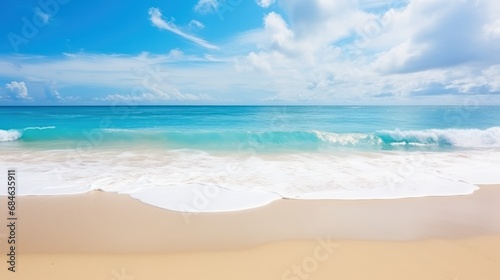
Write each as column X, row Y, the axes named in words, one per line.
column 108, row 236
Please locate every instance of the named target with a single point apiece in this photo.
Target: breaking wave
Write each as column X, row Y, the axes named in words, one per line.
column 267, row 140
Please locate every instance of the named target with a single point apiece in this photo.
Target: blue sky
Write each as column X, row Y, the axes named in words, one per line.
column 66, row 52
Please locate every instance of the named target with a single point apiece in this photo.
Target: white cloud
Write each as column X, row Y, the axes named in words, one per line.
column 254, row 61
column 265, row 3
column 206, row 6
column 56, row 96
column 155, row 17
column 157, row 95
column 492, row 29
column 278, row 35
column 323, row 21
column 335, row 50
column 176, row 54
column 312, row 51
column 196, row 24
column 447, row 34
column 18, row 90
column 163, row 77
column 311, row 26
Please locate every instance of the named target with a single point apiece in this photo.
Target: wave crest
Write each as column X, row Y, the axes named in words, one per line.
column 270, row 140
column 464, row 138
column 347, row 139
column 10, row 135
column 39, row 127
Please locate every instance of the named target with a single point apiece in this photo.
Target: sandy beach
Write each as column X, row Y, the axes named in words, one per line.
column 102, row 235
column 250, row 140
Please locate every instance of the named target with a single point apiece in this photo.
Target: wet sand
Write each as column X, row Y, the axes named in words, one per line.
column 109, row 236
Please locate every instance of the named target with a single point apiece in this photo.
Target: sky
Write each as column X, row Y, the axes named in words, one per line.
column 250, row 52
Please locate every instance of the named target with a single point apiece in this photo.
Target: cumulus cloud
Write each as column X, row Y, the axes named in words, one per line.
column 323, row 21
column 310, row 28
column 18, row 90
column 255, row 61
column 447, row 34
column 299, row 54
column 265, row 3
column 155, row 16
column 313, row 51
column 338, row 50
column 279, row 36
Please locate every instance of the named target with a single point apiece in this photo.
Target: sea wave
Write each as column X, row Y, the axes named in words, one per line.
column 242, row 140
column 315, row 139
column 16, row 134
column 267, row 140
column 10, row 135
column 39, row 127
column 347, row 138
column 196, row 181
column 464, row 138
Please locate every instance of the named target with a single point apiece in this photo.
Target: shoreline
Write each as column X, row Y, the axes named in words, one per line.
column 237, row 182
column 111, row 223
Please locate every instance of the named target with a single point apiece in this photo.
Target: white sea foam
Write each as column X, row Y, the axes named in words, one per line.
column 9, row 135
column 346, row 139
column 412, row 144
column 466, row 138
column 39, row 127
column 193, row 181
column 203, row 198
column 15, row 134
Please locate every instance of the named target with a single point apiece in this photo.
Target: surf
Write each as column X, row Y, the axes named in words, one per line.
column 265, row 140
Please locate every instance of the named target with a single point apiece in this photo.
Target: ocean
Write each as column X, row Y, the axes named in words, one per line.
column 225, row 158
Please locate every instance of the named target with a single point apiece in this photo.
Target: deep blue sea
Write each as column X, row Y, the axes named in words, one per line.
column 262, row 128
column 225, row 158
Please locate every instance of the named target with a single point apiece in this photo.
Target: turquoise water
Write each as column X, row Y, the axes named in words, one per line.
column 260, row 128
column 216, row 159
